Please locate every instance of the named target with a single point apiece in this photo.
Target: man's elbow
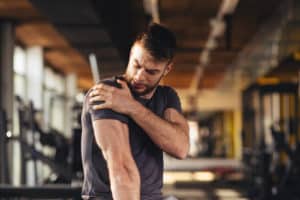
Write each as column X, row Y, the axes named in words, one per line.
column 182, row 154
column 184, row 145
column 182, row 151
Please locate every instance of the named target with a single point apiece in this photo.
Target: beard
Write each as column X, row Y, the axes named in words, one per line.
column 148, row 88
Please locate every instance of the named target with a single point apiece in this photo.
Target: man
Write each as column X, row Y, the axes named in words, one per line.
column 129, row 121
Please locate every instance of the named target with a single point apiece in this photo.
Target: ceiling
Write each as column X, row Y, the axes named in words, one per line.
column 71, row 30
column 190, row 20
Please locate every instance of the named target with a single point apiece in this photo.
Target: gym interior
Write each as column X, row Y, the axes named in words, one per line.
column 236, row 71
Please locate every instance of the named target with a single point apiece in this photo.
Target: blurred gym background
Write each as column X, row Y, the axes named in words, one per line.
column 236, row 71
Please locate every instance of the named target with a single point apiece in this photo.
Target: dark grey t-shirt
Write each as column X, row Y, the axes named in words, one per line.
column 148, row 156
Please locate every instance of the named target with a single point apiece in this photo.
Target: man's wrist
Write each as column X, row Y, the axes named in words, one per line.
column 134, row 108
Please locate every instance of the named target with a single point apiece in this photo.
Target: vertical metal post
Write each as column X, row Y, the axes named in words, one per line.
column 6, row 90
column 4, row 173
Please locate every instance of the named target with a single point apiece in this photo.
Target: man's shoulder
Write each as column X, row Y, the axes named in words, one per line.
column 170, row 97
column 164, row 87
column 105, row 113
column 112, row 81
column 166, row 90
column 109, row 81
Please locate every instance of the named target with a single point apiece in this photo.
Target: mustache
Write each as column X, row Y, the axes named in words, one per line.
column 139, row 83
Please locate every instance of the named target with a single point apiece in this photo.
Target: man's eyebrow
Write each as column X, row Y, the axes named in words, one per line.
column 148, row 70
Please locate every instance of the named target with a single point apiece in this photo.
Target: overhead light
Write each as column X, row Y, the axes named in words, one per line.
column 155, row 11
column 228, row 6
column 147, row 7
column 211, row 43
column 151, row 8
column 218, row 27
column 196, row 79
column 204, row 57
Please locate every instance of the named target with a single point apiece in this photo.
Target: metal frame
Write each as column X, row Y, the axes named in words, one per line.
column 52, row 191
column 4, row 175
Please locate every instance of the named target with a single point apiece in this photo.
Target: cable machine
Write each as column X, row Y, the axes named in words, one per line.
column 271, row 139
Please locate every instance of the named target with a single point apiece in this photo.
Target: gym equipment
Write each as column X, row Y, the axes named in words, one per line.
column 285, row 175
column 41, row 192
column 94, row 67
column 4, row 175
column 270, row 116
column 64, row 168
column 30, row 135
column 75, row 152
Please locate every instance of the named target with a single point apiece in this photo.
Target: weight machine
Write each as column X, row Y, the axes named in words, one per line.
column 271, row 140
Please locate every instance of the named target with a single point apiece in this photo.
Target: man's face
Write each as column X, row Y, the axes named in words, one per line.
column 144, row 72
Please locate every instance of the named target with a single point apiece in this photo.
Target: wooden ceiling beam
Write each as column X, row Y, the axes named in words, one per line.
column 40, row 34
column 215, row 57
column 200, row 43
column 18, row 10
column 61, row 60
column 175, row 22
column 191, row 43
column 84, row 83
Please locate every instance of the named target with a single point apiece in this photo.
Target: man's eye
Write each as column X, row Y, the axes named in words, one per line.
column 151, row 72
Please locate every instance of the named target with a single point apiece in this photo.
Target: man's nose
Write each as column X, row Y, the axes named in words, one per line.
column 140, row 75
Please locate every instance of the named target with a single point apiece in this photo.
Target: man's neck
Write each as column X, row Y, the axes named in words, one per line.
column 149, row 95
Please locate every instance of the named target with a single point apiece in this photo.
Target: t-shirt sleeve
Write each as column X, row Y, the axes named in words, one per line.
column 107, row 113
column 173, row 100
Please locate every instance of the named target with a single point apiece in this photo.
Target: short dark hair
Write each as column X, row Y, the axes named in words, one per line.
column 159, row 41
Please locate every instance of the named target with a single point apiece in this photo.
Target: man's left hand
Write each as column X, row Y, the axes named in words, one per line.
column 117, row 99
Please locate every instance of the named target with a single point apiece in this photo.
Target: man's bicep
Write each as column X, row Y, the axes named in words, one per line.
column 112, row 137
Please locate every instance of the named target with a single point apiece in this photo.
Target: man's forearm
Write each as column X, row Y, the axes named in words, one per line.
column 123, row 173
column 123, row 190
column 124, row 180
column 170, row 137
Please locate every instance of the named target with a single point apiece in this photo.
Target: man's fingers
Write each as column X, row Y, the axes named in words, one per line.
column 97, row 98
column 100, row 106
column 100, row 91
column 93, row 93
column 123, row 83
column 104, row 87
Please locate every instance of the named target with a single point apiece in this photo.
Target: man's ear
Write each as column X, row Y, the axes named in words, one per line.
column 168, row 68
